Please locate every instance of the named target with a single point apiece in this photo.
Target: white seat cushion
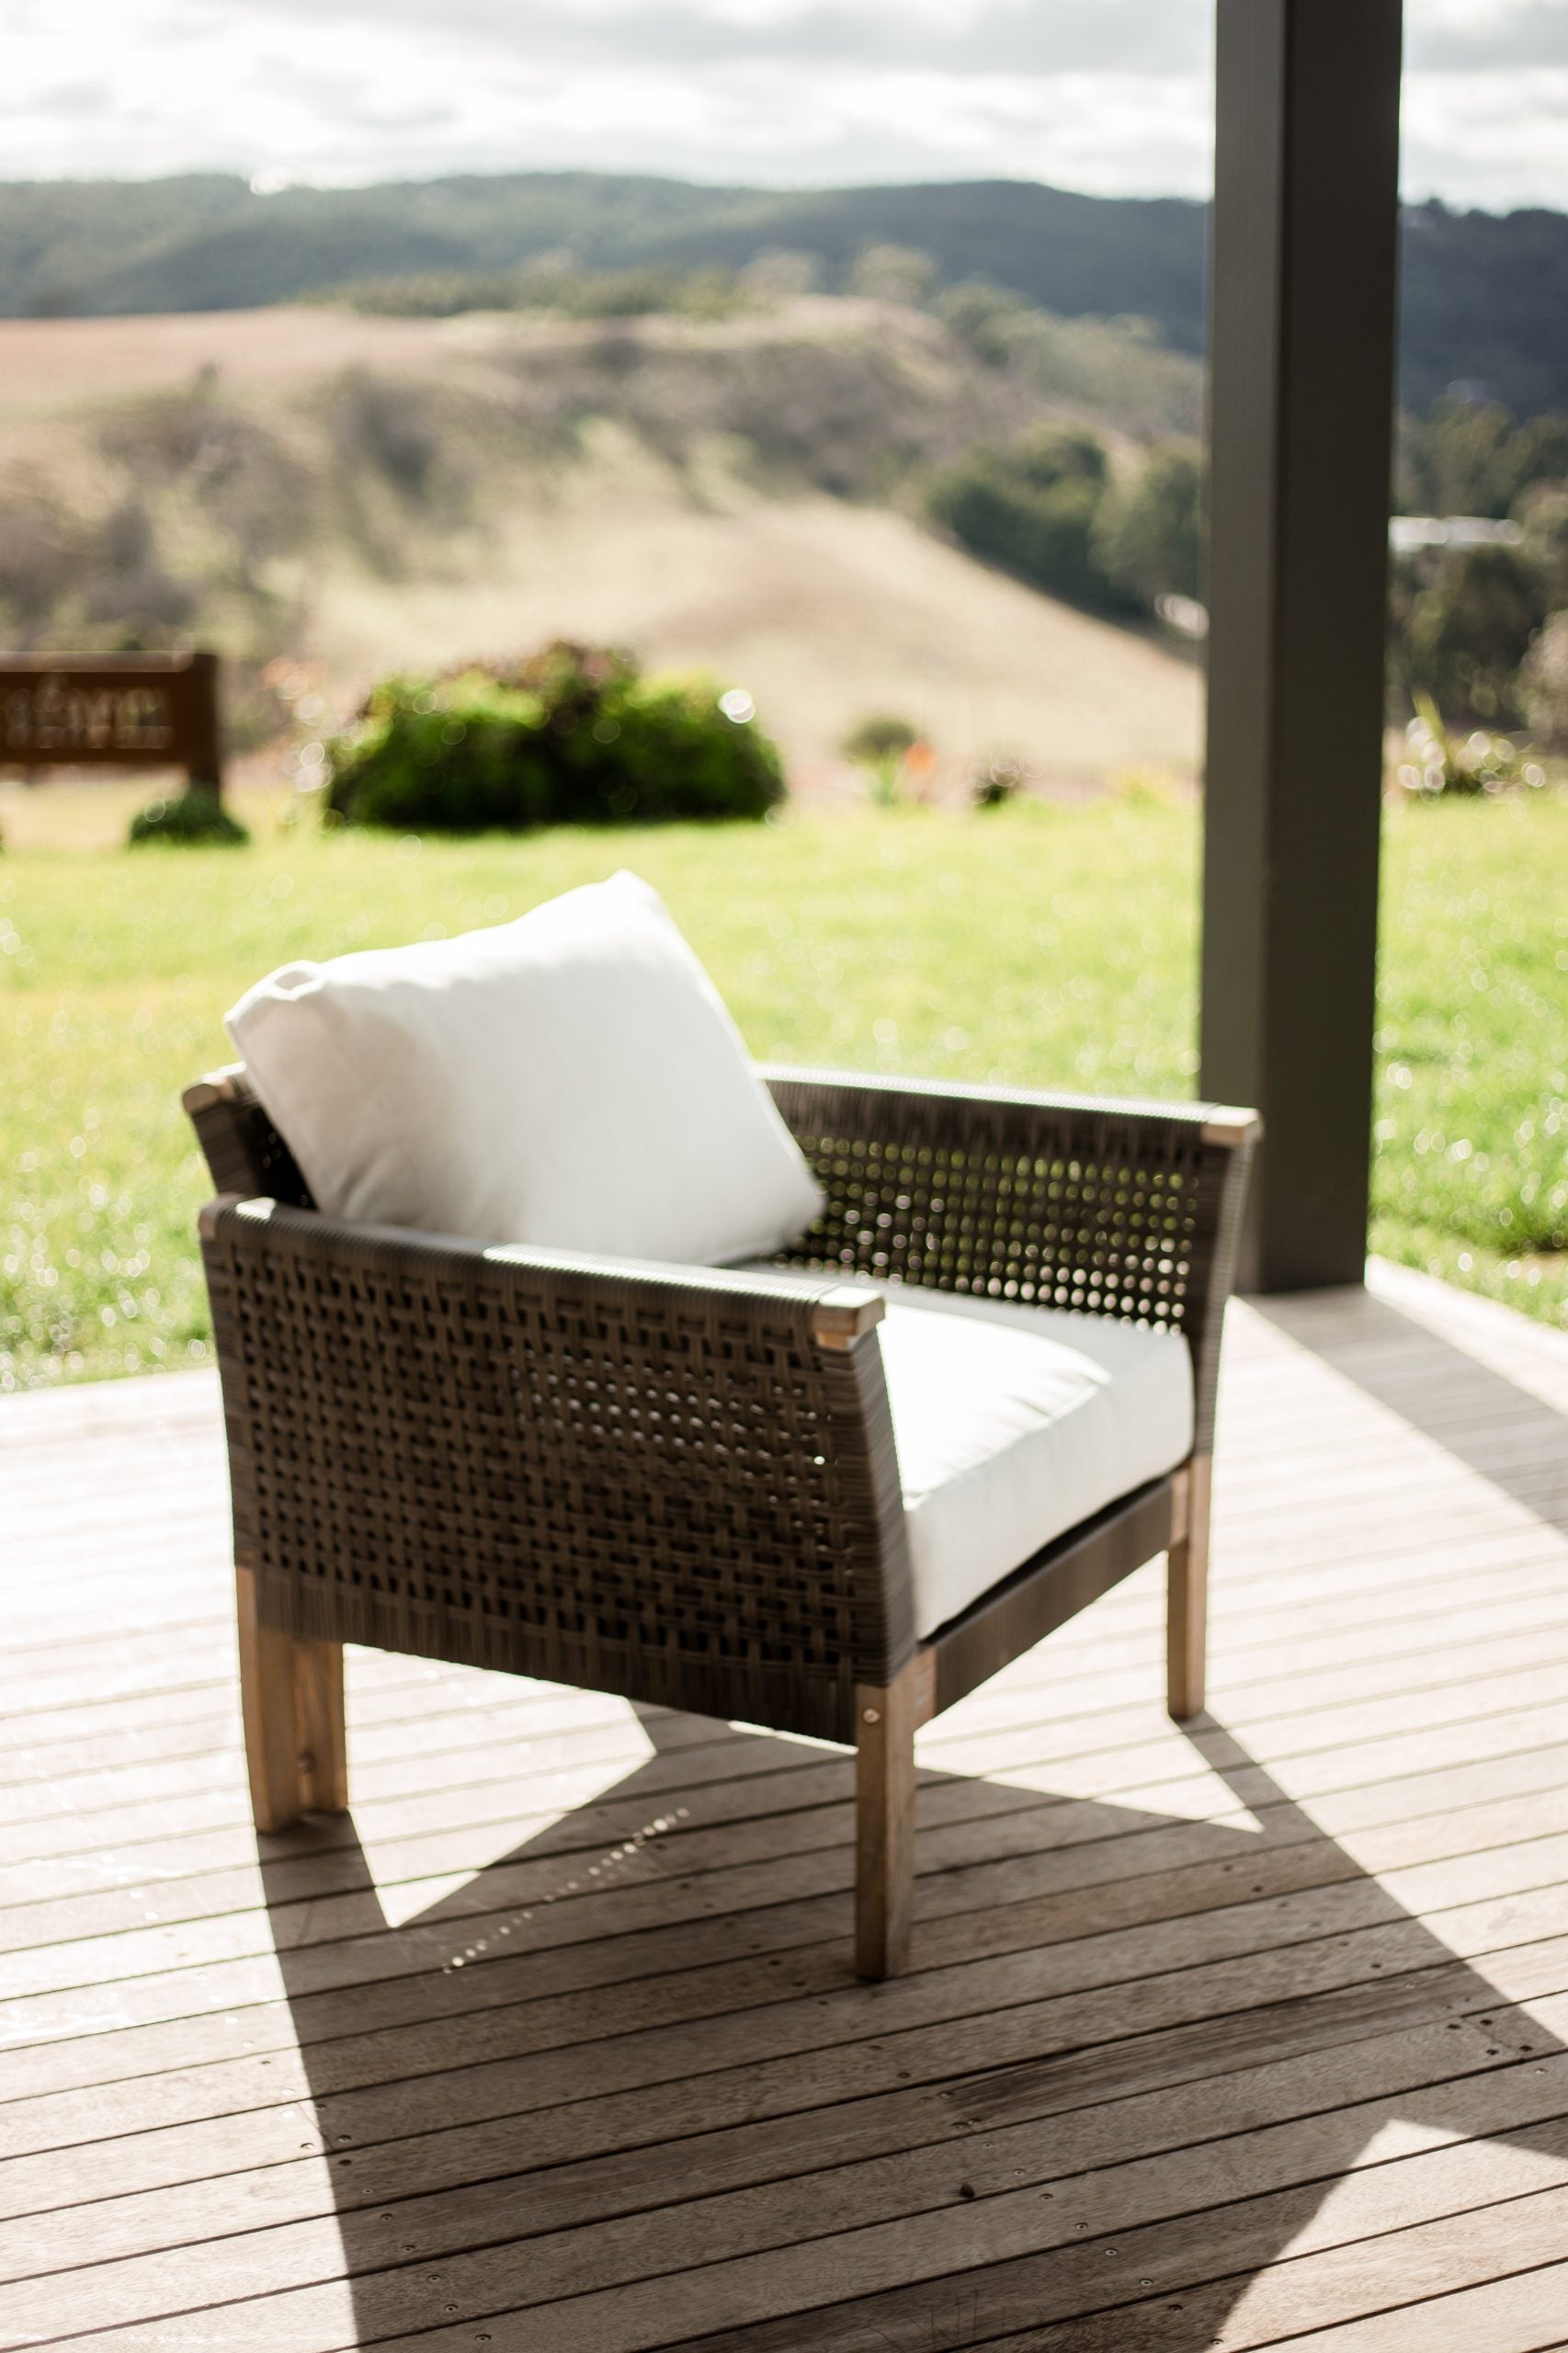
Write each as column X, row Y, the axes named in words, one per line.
column 571, row 1080
column 1013, row 1423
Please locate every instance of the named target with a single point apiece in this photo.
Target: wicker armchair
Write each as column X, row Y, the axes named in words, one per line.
column 683, row 1487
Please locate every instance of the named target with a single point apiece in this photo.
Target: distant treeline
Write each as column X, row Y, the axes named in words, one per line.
column 1484, row 300
column 1478, row 633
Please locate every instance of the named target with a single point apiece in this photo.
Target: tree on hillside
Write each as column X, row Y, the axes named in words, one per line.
column 1149, row 532
column 779, row 272
column 1469, row 631
column 1470, row 458
column 1541, row 450
column 1543, row 513
column 983, row 317
column 893, row 274
column 1050, row 454
column 1459, row 460
column 1031, row 507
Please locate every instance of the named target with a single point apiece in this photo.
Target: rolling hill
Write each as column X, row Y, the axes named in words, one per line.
column 357, row 495
column 1485, row 296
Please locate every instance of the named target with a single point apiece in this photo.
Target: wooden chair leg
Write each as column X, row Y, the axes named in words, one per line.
column 292, row 1699
column 884, row 1824
column 1186, row 1609
column 324, row 1737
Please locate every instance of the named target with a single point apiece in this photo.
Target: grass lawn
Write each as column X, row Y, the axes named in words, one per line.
column 1044, row 945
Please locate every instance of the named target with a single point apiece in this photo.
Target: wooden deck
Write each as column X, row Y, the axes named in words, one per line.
column 1212, row 2041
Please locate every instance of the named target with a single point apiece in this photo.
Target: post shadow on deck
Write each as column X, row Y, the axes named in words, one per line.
column 1302, row 303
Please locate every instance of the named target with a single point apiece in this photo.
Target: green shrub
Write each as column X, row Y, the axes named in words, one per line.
column 195, row 815
column 1437, row 763
column 885, row 746
column 573, row 736
column 997, row 781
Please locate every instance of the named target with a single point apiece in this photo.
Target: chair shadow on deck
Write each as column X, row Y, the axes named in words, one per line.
column 609, row 2021
column 1137, row 2056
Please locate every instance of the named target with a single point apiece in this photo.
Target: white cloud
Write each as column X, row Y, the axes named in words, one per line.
column 1106, row 94
column 1463, row 35
column 1496, row 138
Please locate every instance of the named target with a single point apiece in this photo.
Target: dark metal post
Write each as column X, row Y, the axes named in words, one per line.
column 1302, row 342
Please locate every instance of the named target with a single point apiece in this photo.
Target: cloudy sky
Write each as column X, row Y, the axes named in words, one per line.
column 1109, row 96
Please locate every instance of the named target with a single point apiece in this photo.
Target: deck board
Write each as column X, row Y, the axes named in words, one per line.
column 1216, row 2038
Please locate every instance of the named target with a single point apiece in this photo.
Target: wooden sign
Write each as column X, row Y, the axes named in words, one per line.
column 111, row 710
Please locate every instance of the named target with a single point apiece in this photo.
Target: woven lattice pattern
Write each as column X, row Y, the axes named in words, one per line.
column 641, row 1487
column 1105, row 1208
column 1062, row 1232
column 1098, row 1208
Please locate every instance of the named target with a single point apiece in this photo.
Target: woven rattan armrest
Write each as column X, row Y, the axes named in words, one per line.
column 838, row 1312
column 1064, row 1113
column 678, row 1485
column 1129, row 1210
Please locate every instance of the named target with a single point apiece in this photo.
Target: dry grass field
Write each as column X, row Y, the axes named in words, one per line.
column 825, row 611
column 537, row 517
column 49, row 363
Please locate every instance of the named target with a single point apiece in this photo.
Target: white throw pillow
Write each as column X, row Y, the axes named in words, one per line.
column 571, row 1080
